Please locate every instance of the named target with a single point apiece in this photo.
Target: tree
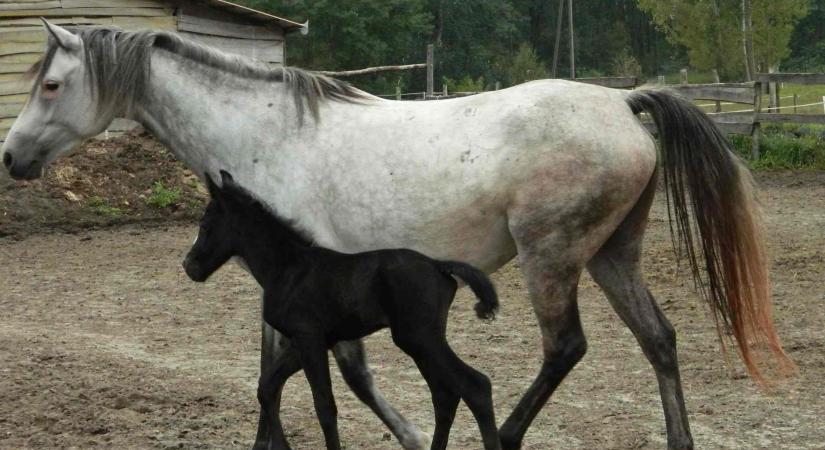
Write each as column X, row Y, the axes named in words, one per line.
column 691, row 22
column 525, row 66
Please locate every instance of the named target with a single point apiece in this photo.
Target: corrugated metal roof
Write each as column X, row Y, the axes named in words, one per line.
column 286, row 24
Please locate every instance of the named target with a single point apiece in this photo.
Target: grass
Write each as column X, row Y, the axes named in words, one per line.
column 784, row 147
column 162, row 197
column 102, row 208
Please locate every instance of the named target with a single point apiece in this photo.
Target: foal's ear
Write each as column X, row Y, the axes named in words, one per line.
column 64, row 38
column 214, row 190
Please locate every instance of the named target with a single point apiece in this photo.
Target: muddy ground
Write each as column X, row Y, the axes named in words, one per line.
column 105, row 344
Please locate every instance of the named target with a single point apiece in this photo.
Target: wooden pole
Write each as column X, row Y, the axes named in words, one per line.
column 795, row 102
column 368, row 70
column 498, row 85
column 684, row 74
column 757, row 127
column 398, row 92
column 716, row 80
column 559, row 21
column 430, row 70
column 572, row 39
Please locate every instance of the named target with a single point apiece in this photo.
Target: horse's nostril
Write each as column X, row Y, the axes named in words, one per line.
column 8, row 160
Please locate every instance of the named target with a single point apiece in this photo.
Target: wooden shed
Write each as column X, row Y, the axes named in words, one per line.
column 230, row 27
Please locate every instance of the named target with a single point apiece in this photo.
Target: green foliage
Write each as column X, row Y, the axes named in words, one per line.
column 163, row 197
column 102, row 208
column 525, row 66
column 465, row 84
column 786, row 147
column 711, row 30
column 808, row 42
column 626, row 65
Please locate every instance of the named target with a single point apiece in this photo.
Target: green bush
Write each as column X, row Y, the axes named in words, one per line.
column 163, row 197
column 102, row 208
column 785, row 147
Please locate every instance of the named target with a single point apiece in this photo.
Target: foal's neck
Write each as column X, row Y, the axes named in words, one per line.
column 270, row 245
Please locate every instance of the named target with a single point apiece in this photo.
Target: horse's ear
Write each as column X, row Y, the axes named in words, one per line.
column 226, row 177
column 64, row 38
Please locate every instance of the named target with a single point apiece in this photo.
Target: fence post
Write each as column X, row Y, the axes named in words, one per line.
column 398, row 92
column 498, row 85
column 716, row 80
column 444, row 88
column 430, row 71
column 757, row 126
column 684, row 74
column 795, row 102
column 662, row 80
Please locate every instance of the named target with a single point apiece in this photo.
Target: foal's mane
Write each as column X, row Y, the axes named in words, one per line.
column 274, row 221
column 119, row 62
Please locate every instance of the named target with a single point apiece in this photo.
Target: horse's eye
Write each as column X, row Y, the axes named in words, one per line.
column 51, row 86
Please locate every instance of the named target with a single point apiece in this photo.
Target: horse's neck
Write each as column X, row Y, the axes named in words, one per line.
column 202, row 114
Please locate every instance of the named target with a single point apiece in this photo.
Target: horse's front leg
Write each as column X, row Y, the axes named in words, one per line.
column 352, row 361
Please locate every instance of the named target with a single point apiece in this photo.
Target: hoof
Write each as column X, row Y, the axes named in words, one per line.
column 266, row 445
column 417, row 440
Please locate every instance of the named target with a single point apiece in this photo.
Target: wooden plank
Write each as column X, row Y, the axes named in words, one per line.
column 792, row 118
column 168, row 23
column 6, row 123
column 267, row 51
column 20, row 68
column 202, row 25
column 793, row 78
column 729, row 92
column 17, row 6
column 735, row 128
column 737, row 117
column 14, row 48
column 8, row 99
column 10, row 110
column 611, row 82
column 141, row 12
column 23, row 34
column 36, row 22
column 71, row 4
column 24, row 58
column 14, row 84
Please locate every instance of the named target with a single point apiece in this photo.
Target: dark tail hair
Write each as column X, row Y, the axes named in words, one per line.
column 702, row 174
column 481, row 285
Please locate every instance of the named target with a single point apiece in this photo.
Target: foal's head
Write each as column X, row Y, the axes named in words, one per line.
column 228, row 221
column 236, row 224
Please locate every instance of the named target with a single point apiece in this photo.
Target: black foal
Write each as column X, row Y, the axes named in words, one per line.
column 317, row 297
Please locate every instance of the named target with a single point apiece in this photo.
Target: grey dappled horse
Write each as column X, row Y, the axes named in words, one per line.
column 562, row 174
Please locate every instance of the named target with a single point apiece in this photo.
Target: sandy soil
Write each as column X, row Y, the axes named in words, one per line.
column 104, row 343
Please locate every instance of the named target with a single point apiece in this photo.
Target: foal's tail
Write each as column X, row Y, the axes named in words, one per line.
column 481, row 285
column 703, row 175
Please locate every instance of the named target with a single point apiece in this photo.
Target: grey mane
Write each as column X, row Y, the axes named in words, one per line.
column 120, row 62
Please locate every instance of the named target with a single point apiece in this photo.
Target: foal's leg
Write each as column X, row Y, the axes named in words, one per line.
column 313, row 355
column 616, row 268
column 270, row 387
column 270, row 435
column 449, row 379
column 553, row 294
column 353, row 364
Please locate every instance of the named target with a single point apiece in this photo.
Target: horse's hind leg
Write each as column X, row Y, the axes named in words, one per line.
column 270, row 433
column 352, row 361
column 553, row 294
column 616, row 268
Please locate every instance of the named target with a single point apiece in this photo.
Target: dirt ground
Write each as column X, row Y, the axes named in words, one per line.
column 105, row 343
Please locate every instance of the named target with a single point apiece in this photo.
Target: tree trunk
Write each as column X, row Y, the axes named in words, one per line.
column 747, row 39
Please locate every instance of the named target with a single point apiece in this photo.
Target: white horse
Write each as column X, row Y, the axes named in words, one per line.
column 560, row 173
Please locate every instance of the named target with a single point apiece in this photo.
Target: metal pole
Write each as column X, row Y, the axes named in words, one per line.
column 559, row 21
column 572, row 40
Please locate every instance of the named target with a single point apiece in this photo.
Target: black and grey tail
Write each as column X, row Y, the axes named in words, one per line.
column 480, row 284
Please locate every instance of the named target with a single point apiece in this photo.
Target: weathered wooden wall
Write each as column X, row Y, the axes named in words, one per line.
column 22, row 37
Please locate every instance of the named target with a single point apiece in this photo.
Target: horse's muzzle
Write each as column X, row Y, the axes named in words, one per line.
column 20, row 170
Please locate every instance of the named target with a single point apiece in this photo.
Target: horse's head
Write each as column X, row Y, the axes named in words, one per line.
column 61, row 110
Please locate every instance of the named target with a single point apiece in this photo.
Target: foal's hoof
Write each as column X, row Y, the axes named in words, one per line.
column 270, row 445
column 417, row 440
